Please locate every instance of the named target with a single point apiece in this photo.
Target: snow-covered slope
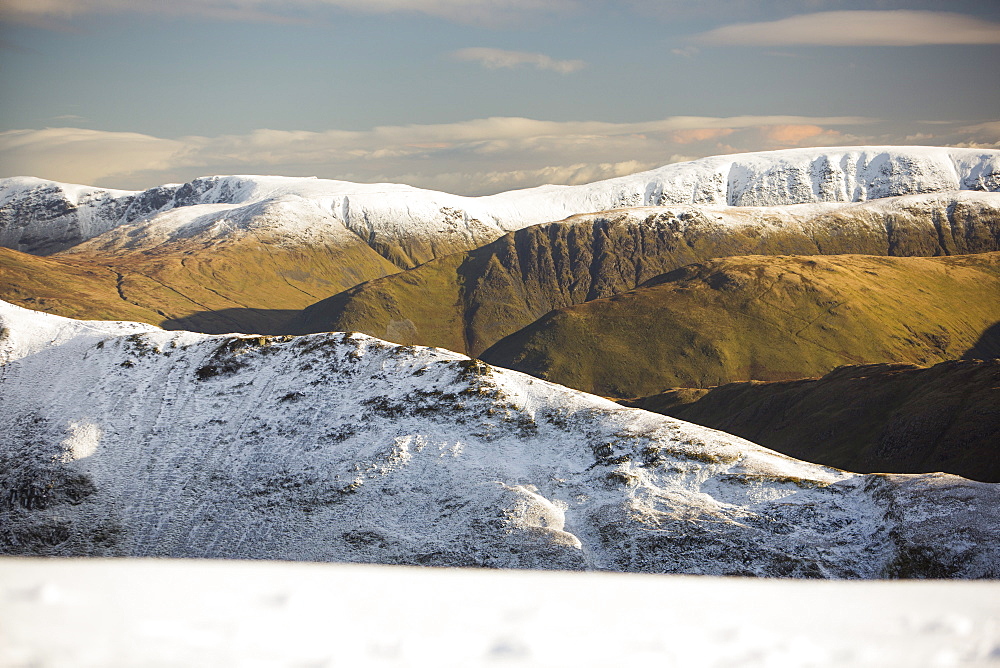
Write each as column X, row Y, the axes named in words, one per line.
column 124, row 613
column 123, row 439
column 410, row 226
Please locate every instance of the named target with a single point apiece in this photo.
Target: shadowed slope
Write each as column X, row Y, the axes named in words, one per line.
column 875, row 418
column 468, row 302
column 762, row 318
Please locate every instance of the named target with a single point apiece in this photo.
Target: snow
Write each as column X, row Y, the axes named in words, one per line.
column 17, row 187
column 122, row 613
column 335, row 447
column 386, row 213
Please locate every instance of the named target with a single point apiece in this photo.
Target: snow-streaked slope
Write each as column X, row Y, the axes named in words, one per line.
column 410, row 226
column 125, row 613
column 123, row 439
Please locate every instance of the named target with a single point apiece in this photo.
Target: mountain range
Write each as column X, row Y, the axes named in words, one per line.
column 247, row 253
column 469, row 301
column 762, row 318
column 659, row 289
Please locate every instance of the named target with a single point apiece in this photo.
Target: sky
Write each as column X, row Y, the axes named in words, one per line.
column 477, row 96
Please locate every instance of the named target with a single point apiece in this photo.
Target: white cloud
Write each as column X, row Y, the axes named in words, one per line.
column 858, row 28
column 472, row 157
column 686, row 52
column 498, row 58
column 73, row 154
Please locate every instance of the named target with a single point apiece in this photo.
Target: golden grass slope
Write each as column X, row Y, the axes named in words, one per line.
column 246, row 283
column 762, row 318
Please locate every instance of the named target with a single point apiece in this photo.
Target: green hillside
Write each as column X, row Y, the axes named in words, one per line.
column 244, row 284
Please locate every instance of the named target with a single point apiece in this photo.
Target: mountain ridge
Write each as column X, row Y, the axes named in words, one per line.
column 881, row 417
column 468, row 302
column 340, row 447
column 390, row 216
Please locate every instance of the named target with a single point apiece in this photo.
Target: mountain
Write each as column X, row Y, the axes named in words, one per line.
column 762, row 318
column 467, row 302
column 68, row 288
column 410, row 226
column 879, row 417
column 244, row 253
column 340, row 447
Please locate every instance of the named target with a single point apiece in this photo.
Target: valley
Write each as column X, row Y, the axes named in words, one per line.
column 291, row 382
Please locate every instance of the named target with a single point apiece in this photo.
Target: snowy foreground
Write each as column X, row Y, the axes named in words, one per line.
column 125, row 613
column 123, row 439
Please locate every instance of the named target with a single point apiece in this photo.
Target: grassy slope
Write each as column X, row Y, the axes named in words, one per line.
column 245, row 284
column 67, row 288
column 762, row 318
column 468, row 302
column 876, row 418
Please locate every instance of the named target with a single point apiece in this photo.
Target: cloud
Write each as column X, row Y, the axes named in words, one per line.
column 981, row 135
column 84, row 155
column 793, row 134
column 498, row 58
column 461, row 11
column 700, row 134
column 686, row 52
column 472, row 157
column 858, row 28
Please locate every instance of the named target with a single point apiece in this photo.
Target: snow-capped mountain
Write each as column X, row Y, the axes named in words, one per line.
column 409, row 226
column 341, row 447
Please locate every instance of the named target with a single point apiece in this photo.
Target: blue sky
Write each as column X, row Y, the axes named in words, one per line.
column 472, row 96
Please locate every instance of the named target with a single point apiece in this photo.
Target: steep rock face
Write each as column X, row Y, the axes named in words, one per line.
column 762, row 318
column 44, row 216
column 881, row 417
column 470, row 301
column 345, row 448
column 410, row 226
